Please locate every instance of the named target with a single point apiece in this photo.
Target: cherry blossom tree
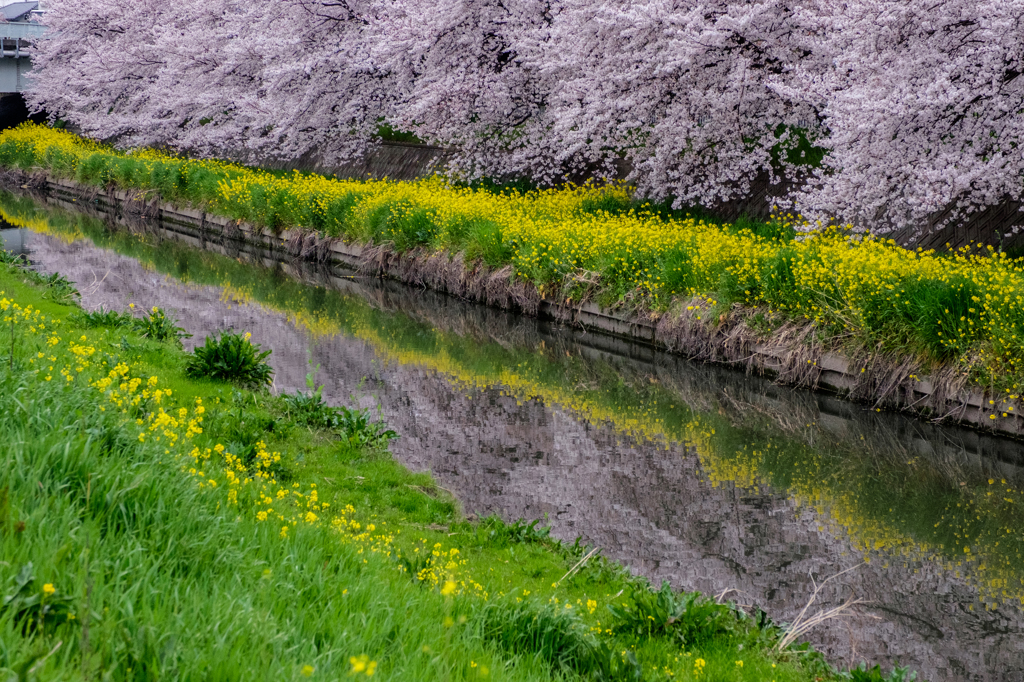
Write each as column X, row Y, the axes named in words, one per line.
column 211, row 76
column 324, row 88
column 924, row 104
column 680, row 89
column 461, row 81
column 906, row 107
column 99, row 64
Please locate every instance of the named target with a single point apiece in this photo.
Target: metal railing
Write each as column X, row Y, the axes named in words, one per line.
column 14, row 63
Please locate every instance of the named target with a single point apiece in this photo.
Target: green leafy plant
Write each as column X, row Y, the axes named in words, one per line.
column 159, row 327
column 60, row 289
column 104, row 318
column 230, row 357
column 689, row 616
column 34, row 608
column 12, row 259
column 862, row 673
column 356, row 424
column 156, row 325
column 311, row 409
column 494, row 531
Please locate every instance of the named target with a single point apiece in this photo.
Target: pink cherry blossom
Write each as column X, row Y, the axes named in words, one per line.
column 917, row 107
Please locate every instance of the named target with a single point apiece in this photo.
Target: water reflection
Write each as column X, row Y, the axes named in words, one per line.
column 12, row 240
column 701, row 476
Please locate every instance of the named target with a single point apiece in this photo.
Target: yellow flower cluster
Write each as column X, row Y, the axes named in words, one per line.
column 251, row 486
column 966, row 305
column 362, row 665
column 443, row 569
column 31, row 321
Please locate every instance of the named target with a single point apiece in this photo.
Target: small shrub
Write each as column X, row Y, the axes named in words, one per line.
column 690, row 617
column 104, row 318
column 159, row 327
column 60, row 289
column 230, row 357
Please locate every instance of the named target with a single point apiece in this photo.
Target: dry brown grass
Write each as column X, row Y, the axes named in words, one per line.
column 450, row 274
column 803, row 623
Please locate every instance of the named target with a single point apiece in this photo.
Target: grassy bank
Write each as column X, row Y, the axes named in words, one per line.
column 598, row 243
column 153, row 525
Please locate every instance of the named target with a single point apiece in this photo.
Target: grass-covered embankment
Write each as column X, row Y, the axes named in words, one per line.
column 135, row 545
column 582, row 243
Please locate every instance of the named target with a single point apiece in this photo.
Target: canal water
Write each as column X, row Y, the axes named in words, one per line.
column 698, row 475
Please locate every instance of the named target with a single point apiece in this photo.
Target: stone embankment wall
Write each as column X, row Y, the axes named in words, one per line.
column 394, row 160
column 791, row 355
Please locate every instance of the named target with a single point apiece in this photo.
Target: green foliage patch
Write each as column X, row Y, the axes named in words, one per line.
column 230, row 357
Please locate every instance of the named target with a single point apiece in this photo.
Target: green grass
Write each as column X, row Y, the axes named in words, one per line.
column 165, row 579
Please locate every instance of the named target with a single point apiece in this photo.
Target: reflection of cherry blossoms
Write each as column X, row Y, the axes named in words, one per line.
column 914, row 106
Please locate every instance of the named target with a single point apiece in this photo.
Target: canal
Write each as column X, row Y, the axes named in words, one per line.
column 699, row 475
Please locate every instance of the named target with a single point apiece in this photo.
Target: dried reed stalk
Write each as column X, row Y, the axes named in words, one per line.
column 802, row 623
column 579, row 565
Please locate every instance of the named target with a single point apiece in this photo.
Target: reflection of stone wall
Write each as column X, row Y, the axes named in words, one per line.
column 12, row 240
column 645, row 505
column 652, row 509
